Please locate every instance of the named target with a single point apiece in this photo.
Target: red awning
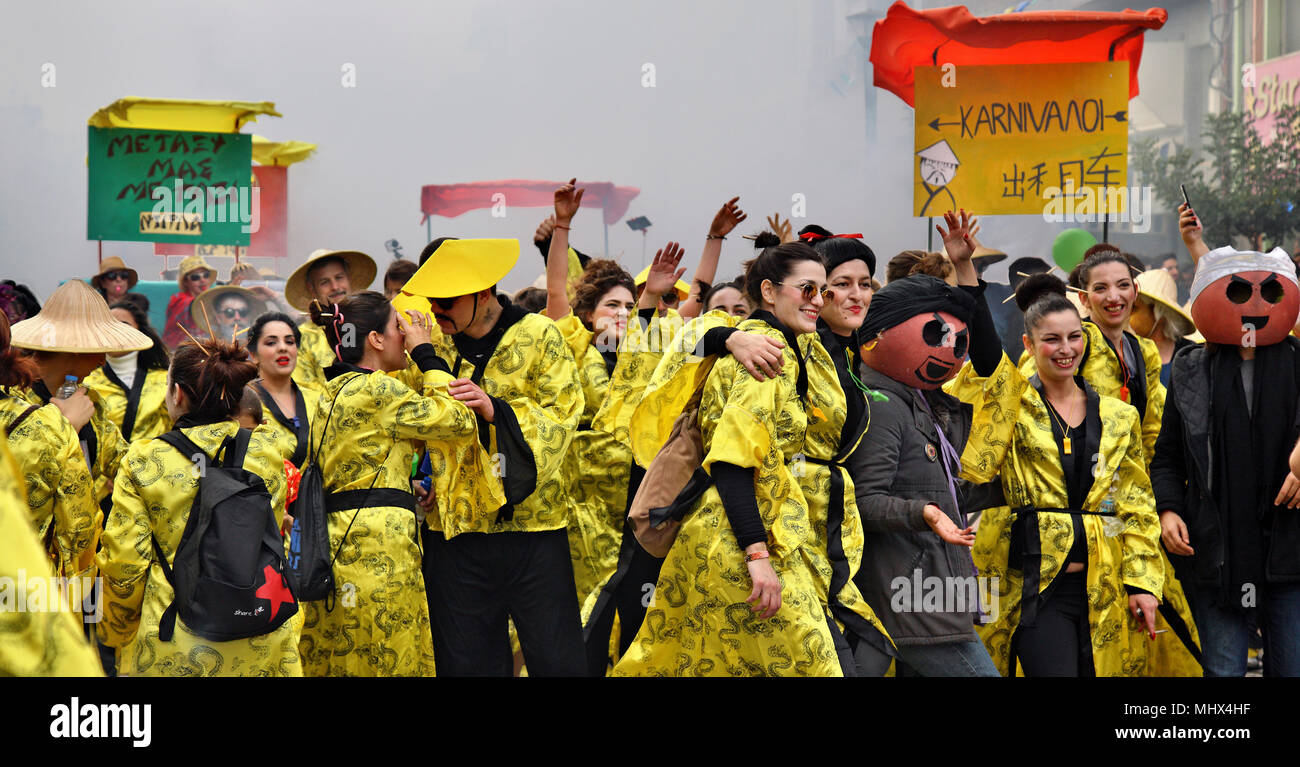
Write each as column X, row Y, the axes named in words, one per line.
column 454, row 199
column 908, row 38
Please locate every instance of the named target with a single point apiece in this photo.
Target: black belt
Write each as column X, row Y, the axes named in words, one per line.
column 1031, row 556
column 840, row 563
column 369, row 499
column 1031, row 563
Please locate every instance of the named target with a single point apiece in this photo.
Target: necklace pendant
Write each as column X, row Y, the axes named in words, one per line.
column 1065, row 443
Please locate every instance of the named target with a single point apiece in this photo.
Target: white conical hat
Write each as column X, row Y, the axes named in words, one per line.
column 76, row 319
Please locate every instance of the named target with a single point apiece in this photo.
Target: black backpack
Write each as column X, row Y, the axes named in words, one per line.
column 310, row 559
column 229, row 577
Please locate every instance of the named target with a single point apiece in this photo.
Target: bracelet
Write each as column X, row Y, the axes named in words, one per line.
column 562, row 226
column 757, row 555
column 716, row 237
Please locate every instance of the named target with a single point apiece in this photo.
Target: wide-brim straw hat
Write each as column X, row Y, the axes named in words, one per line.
column 1158, row 285
column 193, row 264
column 682, row 289
column 463, row 267
column 76, row 319
column 115, row 264
column 361, row 272
column 207, row 302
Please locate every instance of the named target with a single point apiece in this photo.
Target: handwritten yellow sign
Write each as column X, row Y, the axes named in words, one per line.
column 169, row 222
column 1021, row 138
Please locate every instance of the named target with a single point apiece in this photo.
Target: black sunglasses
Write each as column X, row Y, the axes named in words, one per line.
column 196, row 276
column 445, row 304
column 120, row 275
column 232, row 312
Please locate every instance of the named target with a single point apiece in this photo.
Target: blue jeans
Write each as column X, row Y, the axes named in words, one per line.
column 1225, row 633
column 956, row 659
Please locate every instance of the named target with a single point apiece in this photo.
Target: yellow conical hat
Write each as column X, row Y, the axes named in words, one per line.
column 76, row 319
column 462, row 267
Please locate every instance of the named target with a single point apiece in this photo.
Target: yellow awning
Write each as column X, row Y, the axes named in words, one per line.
column 181, row 114
column 268, row 152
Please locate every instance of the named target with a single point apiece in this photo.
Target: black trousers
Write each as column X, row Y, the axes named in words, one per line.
column 1060, row 644
column 628, row 593
column 476, row 581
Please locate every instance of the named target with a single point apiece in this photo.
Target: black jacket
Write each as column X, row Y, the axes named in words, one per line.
column 1183, row 471
column 896, row 471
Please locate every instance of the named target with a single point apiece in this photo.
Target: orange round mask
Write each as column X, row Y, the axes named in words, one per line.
column 923, row 352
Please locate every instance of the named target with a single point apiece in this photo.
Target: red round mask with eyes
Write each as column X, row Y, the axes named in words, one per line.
column 923, row 352
column 1256, row 308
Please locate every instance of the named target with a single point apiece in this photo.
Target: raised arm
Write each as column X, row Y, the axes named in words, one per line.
column 1189, row 226
column 567, row 201
column 663, row 275
column 726, row 219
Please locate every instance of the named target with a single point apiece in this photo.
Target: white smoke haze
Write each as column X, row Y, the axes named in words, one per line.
column 451, row 92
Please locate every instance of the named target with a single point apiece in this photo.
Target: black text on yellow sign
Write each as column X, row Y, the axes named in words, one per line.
column 170, row 222
column 1016, row 138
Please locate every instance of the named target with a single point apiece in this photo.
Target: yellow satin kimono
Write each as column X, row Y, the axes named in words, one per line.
column 286, row 441
column 60, row 501
column 151, row 417
column 314, row 355
column 1011, row 436
column 699, row 623
column 48, row 642
column 1101, row 370
column 533, row 370
column 595, row 470
column 378, row 623
column 152, row 498
column 110, row 447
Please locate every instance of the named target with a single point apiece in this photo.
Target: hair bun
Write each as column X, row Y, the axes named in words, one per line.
column 766, row 239
column 821, row 232
column 1101, row 247
column 1037, row 286
column 321, row 314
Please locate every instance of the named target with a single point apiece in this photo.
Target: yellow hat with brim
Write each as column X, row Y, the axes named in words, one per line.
column 361, row 272
column 207, row 302
column 76, row 319
column 1158, row 285
column 683, row 290
column 462, row 267
column 194, row 264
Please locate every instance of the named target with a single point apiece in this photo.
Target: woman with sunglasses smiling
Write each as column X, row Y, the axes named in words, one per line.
column 114, row 280
column 193, row 277
column 739, row 566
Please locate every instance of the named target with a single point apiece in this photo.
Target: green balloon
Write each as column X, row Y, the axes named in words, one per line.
column 1069, row 247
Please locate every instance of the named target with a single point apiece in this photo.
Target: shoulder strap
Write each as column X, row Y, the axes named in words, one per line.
column 177, row 439
column 21, row 417
column 239, row 445
column 313, row 454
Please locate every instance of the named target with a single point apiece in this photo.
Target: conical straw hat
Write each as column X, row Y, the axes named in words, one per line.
column 361, row 272
column 76, row 319
column 1158, row 285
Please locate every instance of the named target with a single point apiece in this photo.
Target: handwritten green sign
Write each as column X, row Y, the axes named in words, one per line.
column 170, row 186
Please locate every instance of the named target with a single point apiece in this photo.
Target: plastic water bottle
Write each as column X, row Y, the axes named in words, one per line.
column 68, row 388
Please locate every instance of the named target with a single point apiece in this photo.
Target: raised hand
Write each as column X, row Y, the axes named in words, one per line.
column 664, row 273
column 568, row 199
column 1189, row 227
column 727, row 218
column 957, row 238
column 544, row 229
column 781, row 228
